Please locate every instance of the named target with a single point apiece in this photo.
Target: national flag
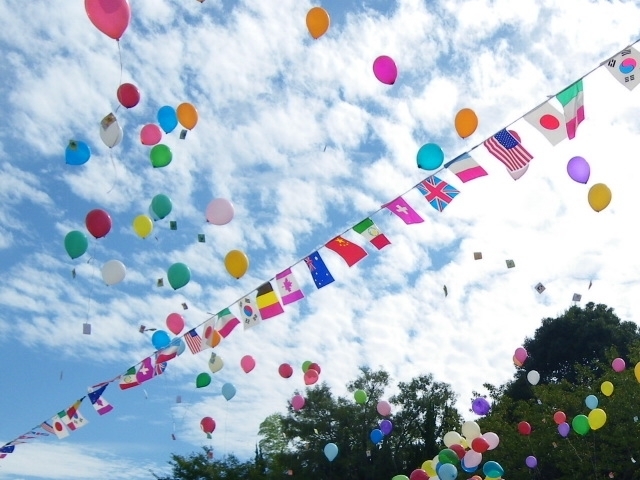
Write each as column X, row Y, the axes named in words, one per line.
column 128, row 379
column 226, row 322
column 372, row 233
column 99, row 403
column 45, row 426
column 145, row 372
column 549, row 122
column 624, row 67
column 465, row 168
column 71, row 411
column 572, row 99
column 58, row 428
column 159, row 368
column 168, row 353
column 209, row 333
column 288, row 287
column 505, row 146
column 249, row 312
column 193, row 341
column 78, row 421
column 268, row 303
column 2, row 455
column 7, row 449
column 350, row 252
column 402, row 209
column 319, row 271
column 437, row 192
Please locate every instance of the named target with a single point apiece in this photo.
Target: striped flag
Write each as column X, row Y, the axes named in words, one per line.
column 465, row 168
column 288, row 286
column 572, row 100
column 193, row 341
column 267, row 301
column 505, row 146
column 372, row 233
column 227, row 321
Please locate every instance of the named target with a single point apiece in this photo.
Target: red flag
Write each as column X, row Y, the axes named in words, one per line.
column 350, row 252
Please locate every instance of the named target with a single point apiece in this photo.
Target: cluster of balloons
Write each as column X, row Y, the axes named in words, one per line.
column 318, row 22
column 237, row 263
column 311, row 371
column 159, row 208
column 599, row 196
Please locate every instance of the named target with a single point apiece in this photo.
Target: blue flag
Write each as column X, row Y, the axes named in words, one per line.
column 7, row 449
column 318, row 270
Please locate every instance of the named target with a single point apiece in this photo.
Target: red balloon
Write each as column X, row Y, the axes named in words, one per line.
column 459, row 449
column 98, row 223
column 208, row 425
column 479, row 445
column 128, row 95
column 285, row 370
column 524, row 428
column 310, row 377
column 316, row 367
column 419, row 474
column 559, row 417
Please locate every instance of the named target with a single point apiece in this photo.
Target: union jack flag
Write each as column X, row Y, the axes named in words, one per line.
column 437, row 192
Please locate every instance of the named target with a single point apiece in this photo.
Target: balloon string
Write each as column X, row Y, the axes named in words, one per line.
column 120, row 81
column 574, row 449
column 115, row 171
column 93, row 271
column 595, row 460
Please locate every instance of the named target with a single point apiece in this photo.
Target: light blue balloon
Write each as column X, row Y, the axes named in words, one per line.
column 591, row 401
column 228, row 391
column 430, row 157
column 331, row 451
column 167, row 118
column 160, row 339
column 447, row 471
column 493, row 469
column 180, row 344
column 77, row 153
column 376, row 435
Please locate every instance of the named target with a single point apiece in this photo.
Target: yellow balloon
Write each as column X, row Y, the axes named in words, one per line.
column 428, row 467
column 597, row 418
column 466, row 122
column 237, row 263
column 636, row 370
column 187, row 115
column 318, row 22
column 143, row 226
column 607, row 388
column 599, row 197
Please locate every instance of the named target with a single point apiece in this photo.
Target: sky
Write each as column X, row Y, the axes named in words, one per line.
column 305, row 142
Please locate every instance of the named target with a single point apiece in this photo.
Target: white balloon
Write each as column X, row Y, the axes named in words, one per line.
column 534, row 377
column 220, row 211
column 492, row 439
column 471, row 430
column 112, row 135
column 113, row 272
column 451, row 438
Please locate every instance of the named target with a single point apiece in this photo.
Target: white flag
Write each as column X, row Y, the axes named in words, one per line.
column 624, row 67
column 549, row 122
column 249, row 313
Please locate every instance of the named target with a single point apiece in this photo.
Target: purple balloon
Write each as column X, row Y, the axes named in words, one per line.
column 480, row 406
column 531, row 461
column 564, row 429
column 386, row 426
column 578, row 169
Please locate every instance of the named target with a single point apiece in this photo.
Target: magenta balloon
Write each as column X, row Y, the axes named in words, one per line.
column 111, row 17
column 175, row 323
column 385, row 70
column 297, row 402
column 219, row 211
column 150, row 134
column 578, row 169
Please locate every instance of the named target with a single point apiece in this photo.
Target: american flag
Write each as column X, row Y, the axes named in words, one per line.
column 506, row 147
column 437, row 192
column 194, row 341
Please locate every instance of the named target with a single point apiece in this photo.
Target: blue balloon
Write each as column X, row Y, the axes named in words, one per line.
column 493, row 469
column 430, row 157
column 77, row 153
column 467, row 469
column 376, row 435
column 447, row 471
column 591, row 401
column 160, row 339
column 331, row 451
column 180, row 344
column 228, row 391
column 167, row 118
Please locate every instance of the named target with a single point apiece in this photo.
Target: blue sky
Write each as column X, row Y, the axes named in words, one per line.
column 269, row 100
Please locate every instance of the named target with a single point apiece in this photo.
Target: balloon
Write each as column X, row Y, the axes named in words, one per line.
column 150, row 134
column 447, row 472
column 160, row 339
column 318, row 22
column 429, row 467
column 360, row 397
column 77, row 153
column 219, row 211
column 459, row 449
column 305, row 365
column 180, row 344
column 531, row 461
column 480, row 406
column 493, row 469
column 578, row 169
column 599, row 197
column 559, row 417
column 215, row 363
column 400, row 477
column 113, row 272
column 376, row 436
column 521, row 354
column 524, row 428
column 128, row 95
column 316, row 367
column 236, row 263
column 534, row 377
column 563, row 429
column 470, row 430
column 167, row 118
column 492, row 439
column 466, row 122
column 591, row 402
column 178, row 275
column 297, row 402
column 580, row 424
column 98, row 223
column 228, row 391
column 479, row 445
column 175, row 323
column 208, row 425
column 383, row 408
column 472, row 458
column 451, row 438
column 618, row 365
column 285, row 370
column 385, row 70
column 447, row 455
column 247, row 363
column 161, row 205
column 187, row 115
column 202, row 380
column 636, row 371
column 386, row 427
column 110, row 131
column 160, row 155
column 597, row 418
column 75, row 243
column 517, row 362
column 111, row 17
column 418, row 474
column 430, row 157
column 143, row 226
column 331, row 451
column 466, row 468
column 310, row 377
column 607, row 388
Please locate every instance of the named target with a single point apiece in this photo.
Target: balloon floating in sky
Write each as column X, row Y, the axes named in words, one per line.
column 480, row 406
column 160, row 339
column 533, row 377
column 247, row 363
column 599, row 197
column 77, row 153
column 360, row 396
column 219, row 211
column 203, row 380
column 98, row 223
column 310, row 377
column 110, row 131
column 297, row 402
column 207, row 425
column 285, row 370
column 331, row 451
column 607, row 388
column 466, row 122
column 215, row 363
column 143, row 226
column 113, row 272
column 228, row 391
column 175, row 323
column 76, row 243
column 385, row 70
column 150, row 134
column 318, row 22
column 520, row 355
column 430, row 157
column 167, row 118
column 128, row 95
column 160, row 156
column 236, row 263
column 111, row 17
column 578, row 169
column 187, row 115
column 384, row 408
column 618, row 365
column 178, row 275
column 161, row 205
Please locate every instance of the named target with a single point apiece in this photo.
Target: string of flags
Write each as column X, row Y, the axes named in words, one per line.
column 264, row 303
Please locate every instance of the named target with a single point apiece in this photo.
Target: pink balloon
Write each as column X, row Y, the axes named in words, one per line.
column 111, row 17
column 521, row 354
column 618, row 365
column 175, row 323
column 247, row 363
column 385, row 70
column 219, row 211
column 384, row 408
column 150, row 134
column 310, row 377
column 297, row 402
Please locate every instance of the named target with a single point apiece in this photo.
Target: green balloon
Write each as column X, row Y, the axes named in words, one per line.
column 447, row 455
column 360, row 396
column 178, row 275
column 161, row 205
column 580, row 424
column 76, row 243
column 203, row 379
column 160, row 156
column 306, row 365
column 400, row 477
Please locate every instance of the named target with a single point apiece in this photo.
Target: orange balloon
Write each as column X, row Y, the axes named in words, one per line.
column 317, row 22
column 187, row 115
column 466, row 122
